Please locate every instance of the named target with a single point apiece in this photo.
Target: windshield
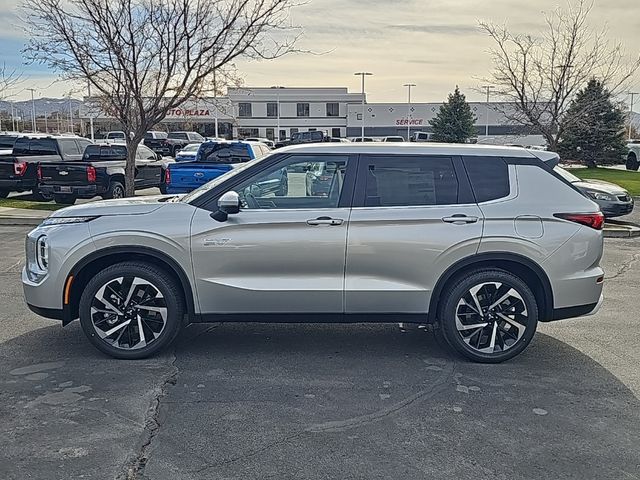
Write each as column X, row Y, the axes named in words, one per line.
column 192, row 147
column 217, row 181
column 569, row 177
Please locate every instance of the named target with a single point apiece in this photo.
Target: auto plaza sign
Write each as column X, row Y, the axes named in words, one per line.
column 190, row 112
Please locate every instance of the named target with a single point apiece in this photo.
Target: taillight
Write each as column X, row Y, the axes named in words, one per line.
column 39, row 172
column 91, row 174
column 593, row 220
column 167, row 176
column 19, row 168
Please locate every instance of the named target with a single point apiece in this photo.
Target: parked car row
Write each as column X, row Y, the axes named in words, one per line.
column 65, row 168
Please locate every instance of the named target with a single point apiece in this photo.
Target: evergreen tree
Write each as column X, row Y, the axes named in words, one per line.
column 595, row 128
column 455, row 121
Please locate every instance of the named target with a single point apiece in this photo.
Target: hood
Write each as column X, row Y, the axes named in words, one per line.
column 122, row 206
column 601, row 186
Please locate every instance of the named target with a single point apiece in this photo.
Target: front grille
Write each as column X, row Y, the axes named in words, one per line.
column 624, row 198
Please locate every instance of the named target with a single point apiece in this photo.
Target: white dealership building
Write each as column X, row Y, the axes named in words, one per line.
column 278, row 112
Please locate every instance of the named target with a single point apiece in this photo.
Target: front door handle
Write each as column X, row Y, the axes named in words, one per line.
column 460, row 219
column 325, row 221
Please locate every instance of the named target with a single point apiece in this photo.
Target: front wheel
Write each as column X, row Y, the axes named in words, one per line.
column 131, row 310
column 489, row 316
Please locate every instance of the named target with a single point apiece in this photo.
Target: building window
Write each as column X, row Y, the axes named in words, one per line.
column 270, row 133
column 292, row 131
column 244, row 109
column 283, row 135
column 335, row 132
column 303, row 109
column 248, row 133
column 272, row 109
column 333, row 110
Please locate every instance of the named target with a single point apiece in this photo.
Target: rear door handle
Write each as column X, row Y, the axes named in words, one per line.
column 325, row 221
column 460, row 219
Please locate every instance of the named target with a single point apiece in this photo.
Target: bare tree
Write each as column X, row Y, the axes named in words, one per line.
column 539, row 75
column 146, row 57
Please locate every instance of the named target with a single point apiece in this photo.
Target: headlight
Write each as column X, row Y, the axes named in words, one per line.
column 65, row 220
column 37, row 252
column 601, row 196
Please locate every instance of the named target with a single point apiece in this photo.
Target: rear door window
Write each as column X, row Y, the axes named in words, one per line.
column 69, row 147
column 400, row 181
column 38, row 146
column 7, row 141
column 224, row 153
column 489, row 177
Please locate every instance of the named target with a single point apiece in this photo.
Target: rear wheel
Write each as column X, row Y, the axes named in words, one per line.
column 131, row 310
column 489, row 316
column 632, row 162
column 64, row 199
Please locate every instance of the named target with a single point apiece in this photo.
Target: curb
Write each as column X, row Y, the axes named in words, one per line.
column 20, row 221
column 621, row 229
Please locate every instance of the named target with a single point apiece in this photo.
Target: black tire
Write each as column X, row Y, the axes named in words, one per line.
column 116, row 190
column 38, row 196
column 4, row 193
column 632, row 162
column 64, row 199
column 157, row 281
column 455, row 309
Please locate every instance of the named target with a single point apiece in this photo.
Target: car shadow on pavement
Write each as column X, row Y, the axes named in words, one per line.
column 312, row 401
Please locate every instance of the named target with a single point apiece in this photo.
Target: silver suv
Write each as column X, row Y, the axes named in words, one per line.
column 455, row 235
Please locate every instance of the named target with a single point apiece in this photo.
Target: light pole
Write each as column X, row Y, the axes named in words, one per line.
column 91, row 110
column 488, row 88
column 70, row 116
column 33, row 111
column 409, row 85
column 363, row 74
column 277, row 135
column 632, row 95
column 46, row 112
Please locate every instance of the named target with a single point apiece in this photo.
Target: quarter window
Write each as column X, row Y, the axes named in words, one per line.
column 69, row 147
column 489, row 177
column 410, row 181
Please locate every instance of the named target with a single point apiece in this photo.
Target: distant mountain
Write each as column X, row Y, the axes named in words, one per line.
column 43, row 105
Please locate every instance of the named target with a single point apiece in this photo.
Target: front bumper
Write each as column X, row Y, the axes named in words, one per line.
column 83, row 191
column 616, row 209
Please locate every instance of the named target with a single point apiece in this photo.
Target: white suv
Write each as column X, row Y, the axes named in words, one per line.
column 482, row 241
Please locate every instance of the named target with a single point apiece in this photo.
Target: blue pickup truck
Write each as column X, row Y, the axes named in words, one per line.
column 214, row 158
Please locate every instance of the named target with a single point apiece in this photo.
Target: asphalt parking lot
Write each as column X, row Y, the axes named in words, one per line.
column 259, row 401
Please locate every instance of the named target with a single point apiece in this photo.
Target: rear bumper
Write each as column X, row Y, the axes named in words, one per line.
column 175, row 190
column 18, row 185
column 577, row 311
column 79, row 191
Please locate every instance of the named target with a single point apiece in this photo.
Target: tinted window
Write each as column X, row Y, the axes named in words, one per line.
column 244, row 109
column 37, row 146
column 333, row 110
column 489, row 177
column 195, row 136
column 272, row 109
column 7, row 141
column 105, row 152
column 224, row 153
column 303, row 109
column 406, row 181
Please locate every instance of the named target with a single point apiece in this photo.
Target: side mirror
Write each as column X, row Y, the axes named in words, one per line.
column 228, row 204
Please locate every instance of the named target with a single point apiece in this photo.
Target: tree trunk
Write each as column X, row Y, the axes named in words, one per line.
column 130, row 168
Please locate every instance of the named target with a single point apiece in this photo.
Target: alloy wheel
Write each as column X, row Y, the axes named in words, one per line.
column 118, row 192
column 129, row 313
column 491, row 317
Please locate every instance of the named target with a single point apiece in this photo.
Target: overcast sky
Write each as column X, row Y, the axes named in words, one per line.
column 435, row 44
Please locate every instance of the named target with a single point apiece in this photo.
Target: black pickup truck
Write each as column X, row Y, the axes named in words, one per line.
column 19, row 170
column 100, row 172
column 172, row 143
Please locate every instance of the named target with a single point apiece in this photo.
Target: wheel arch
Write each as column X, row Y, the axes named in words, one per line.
column 519, row 265
column 84, row 270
